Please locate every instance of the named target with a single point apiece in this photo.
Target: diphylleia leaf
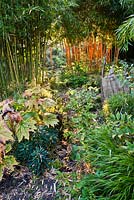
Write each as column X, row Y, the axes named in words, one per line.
column 5, row 133
column 23, row 129
column 31, row 103
column 50, row 119
column 48, row 102
column 37, row 91
column 45, row 93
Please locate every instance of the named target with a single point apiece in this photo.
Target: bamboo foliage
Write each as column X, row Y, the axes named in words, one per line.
column 125, row 32
column 25, row 29
column 91, row 51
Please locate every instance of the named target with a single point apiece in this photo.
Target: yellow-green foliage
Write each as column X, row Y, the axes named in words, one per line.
column 20, row 117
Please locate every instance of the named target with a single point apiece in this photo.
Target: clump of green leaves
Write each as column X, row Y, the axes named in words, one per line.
column 39, row 160
column 19, row 119
column 58, row 55
column 108, row 145
column 109, row 148
column 36, row 153
column 76, row 76
column 122, row 102
column 37, row 103
column 85, row 98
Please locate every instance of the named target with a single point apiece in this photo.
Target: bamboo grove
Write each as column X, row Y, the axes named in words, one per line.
column 25, row 31
column 29, row 28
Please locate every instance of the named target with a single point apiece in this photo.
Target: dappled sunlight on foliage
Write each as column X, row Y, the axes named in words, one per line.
column 60, row 136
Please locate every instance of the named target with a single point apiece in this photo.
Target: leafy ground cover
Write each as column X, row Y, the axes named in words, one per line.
column 102, row 139
column 69, row 145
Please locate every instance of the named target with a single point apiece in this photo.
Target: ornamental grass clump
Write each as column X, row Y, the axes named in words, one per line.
column 111, row 153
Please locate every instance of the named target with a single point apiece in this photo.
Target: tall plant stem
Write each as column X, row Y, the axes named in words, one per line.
column 13, row 68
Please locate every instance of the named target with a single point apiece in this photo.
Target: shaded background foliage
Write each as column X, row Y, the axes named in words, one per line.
column 27, row 29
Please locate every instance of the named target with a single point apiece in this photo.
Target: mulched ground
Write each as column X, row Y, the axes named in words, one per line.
column 23, row 185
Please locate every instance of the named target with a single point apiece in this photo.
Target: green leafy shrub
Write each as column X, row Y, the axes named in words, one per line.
column 84, row 99
column 23, row 150
column 76, row 76
column 107, row 145
column 45, row 136
column 36, row 153
column 58, row 56
column 121, row 102
column 19, row 119
column 75, row 81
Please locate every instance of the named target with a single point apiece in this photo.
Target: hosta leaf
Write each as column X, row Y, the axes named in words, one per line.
column 23, row 128
column 50, row 119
